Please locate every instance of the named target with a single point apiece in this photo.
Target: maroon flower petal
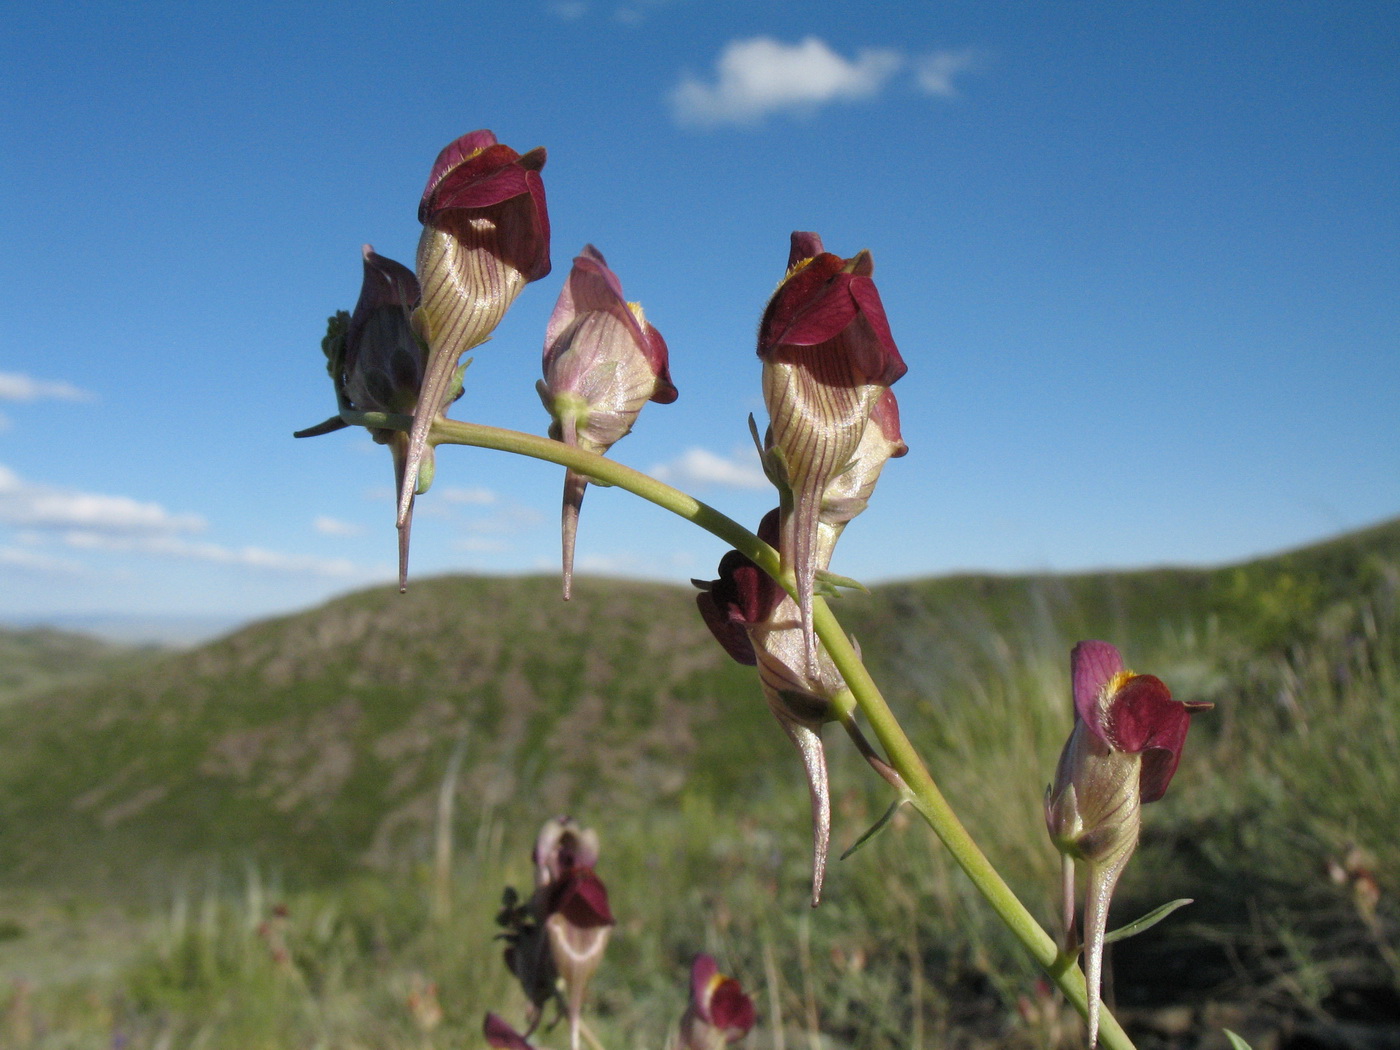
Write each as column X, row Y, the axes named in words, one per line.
column 1092, row 667
column 582, row 899
column 454, row 154
column 702, row 971
column 1143, row 718
column 501, row 1035
column 659, row 357
column 730, row 1009
column 810, row 307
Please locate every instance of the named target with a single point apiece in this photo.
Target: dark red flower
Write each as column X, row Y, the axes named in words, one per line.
column 485, row 236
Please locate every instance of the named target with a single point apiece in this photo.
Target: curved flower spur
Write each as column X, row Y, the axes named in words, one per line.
column 827, row 354
column 485, row 236
column 1124, row 749
column 603, row 361
column 758, row 624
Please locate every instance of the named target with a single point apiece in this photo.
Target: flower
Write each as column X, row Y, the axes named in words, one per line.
column 558, row 937
column 1124, row 749
column 485, row 236
column 602, row 362
column 827, row 355
column 719, row 1012
column 758, row 623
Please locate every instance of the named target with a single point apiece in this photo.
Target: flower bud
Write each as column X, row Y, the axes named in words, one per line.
column 485, row 236
column 827, row 354
column 602, row 363
column 719, row 1013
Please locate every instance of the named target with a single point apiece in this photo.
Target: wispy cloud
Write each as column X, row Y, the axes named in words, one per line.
column 328, row 526
column 32, row 505
column 760, row 76
column 568, row 10
column 17, row 387
column 247, row 557
column 699, row 466
column 90, row 521
column 934, row 73
column 27, row 560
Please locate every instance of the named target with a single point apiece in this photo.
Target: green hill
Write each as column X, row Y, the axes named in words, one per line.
column 40, row 659
column 314, row 749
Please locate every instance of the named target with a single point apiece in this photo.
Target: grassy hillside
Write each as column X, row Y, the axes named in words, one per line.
column 39, row 659
column 312, row 750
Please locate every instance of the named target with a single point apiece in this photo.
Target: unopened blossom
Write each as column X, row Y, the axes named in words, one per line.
column 1125, row 746
column 555, row 941
column 720, row 1013
column 376, row 362
column 602, row 362
column 827, row 355
column 485, row 236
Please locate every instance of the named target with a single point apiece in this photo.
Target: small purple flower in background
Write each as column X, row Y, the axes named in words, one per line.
column 485, row 236
column 1124, row 749
column 558, row 937
column 719, row 1012
column 602, row 362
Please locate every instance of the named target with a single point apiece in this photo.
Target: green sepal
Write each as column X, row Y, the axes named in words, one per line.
column 330, row 426
column 876, row 828
column 1148, row 921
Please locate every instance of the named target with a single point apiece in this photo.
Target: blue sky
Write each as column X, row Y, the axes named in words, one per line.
column 1141, row 260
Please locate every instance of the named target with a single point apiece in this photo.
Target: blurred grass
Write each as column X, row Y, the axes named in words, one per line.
column 162, row 819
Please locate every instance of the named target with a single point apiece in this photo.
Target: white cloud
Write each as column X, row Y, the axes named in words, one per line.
column 247, row 557
column 698, row 466
column 35, row 561
column 328, row 526
column 934, row 72
column 33, row 505
column 16, row 387
column 569, row 10
column 89, row 521
column 759, row 76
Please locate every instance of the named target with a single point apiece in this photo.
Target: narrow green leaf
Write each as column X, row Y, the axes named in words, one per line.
column 1236, row 1043
column 877, row 827
column 1148, row 921
column 828, row 582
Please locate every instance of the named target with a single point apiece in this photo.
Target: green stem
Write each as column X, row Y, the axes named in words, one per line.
column 927, row 797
